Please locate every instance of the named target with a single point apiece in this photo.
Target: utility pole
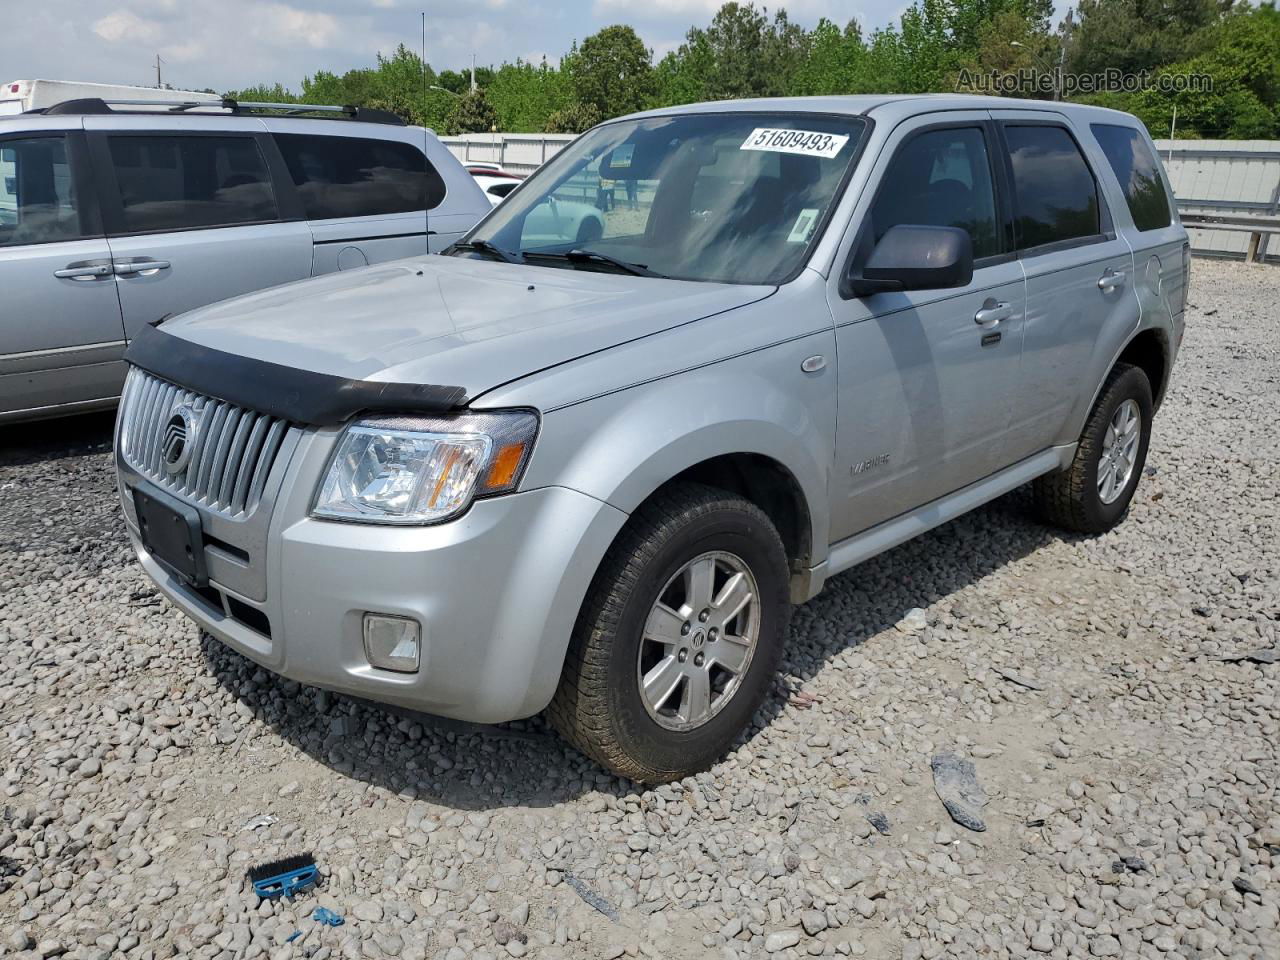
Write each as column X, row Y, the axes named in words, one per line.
column 159, row 84
column 473, row 73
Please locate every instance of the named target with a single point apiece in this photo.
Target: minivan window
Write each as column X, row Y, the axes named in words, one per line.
column 37, row 194
column 356, row 177
column 728, row 197
column 184, row 182
column 1138, row 172
column 1055, row 196
column 941, row 178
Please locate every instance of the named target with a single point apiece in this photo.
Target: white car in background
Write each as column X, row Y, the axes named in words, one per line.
column 494, row 181
column 555, row 220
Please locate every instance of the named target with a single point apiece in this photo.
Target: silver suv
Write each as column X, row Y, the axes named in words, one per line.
column 591, row 476
column 112, row 217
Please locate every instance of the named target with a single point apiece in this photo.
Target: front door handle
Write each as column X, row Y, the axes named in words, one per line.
column 83, row 271
column 129, row 268
column 992, row 312
column 1110, row 280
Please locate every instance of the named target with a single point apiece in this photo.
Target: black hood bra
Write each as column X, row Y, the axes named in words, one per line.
column 302, row 396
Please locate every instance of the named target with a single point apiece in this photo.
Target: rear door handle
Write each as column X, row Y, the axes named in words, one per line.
column 1110, row 280
column 129, row 268
column 992, row 312
column 83, row 271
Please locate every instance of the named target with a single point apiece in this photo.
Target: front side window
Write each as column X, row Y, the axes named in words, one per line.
column 941, row 178
column 1138, row 172
column 181, row 183
column 1055, row 196
column 731, row 197
column 37, row 193
column 355, row 177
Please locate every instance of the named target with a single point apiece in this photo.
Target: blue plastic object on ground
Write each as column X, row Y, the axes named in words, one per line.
column 285, row 877
column 327, row 917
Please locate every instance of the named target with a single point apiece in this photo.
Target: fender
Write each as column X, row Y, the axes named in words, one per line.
column 622, row 447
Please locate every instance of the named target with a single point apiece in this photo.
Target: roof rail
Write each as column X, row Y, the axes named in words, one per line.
column 99, row 105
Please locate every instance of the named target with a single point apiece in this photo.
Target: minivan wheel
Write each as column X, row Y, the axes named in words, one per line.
column 1093, row 494
column 679, row 637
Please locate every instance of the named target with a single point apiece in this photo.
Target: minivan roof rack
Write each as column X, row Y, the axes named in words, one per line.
column 99, row 105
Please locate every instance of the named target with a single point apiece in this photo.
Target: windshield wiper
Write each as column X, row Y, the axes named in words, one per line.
column 484, row 246
column 595, row 256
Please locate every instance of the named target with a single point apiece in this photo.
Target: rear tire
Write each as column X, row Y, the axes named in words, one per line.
column 1093, row 494
column 648, row 688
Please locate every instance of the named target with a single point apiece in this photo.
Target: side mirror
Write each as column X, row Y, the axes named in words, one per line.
column 915, row 257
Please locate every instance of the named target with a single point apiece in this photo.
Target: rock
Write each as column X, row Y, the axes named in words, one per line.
column 813, row 921
column 956, row 783
column 780, row 940
column 913, row 621
column 368, row 911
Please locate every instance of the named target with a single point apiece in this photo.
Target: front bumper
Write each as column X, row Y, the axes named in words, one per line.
column 495, row 592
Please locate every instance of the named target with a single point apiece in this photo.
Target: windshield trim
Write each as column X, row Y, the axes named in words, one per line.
column 868, row 124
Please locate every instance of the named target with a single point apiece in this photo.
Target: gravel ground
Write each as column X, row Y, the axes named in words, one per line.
column 1130, row 763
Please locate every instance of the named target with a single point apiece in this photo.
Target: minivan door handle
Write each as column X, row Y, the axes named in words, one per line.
column 1110, row 280
column 128, row 268
column 992, row 312
column 84, row 271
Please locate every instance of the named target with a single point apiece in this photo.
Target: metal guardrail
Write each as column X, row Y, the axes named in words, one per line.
column 1256, row 227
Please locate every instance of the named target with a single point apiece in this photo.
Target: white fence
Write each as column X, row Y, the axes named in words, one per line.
column 1231, row 178
column 517, row 152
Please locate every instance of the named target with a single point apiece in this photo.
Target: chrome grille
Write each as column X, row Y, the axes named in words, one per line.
column 233, row 453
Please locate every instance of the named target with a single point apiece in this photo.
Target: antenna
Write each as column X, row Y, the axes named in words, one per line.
column 426, row 200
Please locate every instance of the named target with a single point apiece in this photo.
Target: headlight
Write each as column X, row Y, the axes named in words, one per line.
column 424, row 469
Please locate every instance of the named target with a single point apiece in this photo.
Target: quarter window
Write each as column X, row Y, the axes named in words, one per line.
column 1139, row 174
column 941, row 178
column 354, row 177
column 180, row 183
column 1055, row 196
column 37, row 193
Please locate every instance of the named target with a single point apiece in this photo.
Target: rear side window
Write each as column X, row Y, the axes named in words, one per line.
column 1055, row 196
column 37, row 193
column 941, row 178
column 354, row 177
column 1138, row 172
column 181, row 183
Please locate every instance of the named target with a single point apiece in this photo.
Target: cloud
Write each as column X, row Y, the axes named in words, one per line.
column 123, row 24
column 315, row 29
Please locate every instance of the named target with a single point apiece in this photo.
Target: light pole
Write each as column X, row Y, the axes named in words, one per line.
column 457, row 96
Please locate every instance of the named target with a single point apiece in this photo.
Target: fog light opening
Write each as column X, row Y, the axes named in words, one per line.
column 391, row 643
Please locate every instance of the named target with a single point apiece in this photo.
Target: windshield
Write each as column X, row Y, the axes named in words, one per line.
column 732, row 197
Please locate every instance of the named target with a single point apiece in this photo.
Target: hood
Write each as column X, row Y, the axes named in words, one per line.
column 469, row 323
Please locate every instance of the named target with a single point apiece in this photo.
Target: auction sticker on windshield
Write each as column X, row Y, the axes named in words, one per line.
column 809, row 143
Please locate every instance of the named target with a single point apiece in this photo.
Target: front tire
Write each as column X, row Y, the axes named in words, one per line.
column 1093, row 494
column 679, row 637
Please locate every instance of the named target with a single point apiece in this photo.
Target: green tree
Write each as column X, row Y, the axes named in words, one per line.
column 574, row 118
column 524, row 96
column 472, row 113
column 612, row 71
column 263, row 93
column 1137, row 35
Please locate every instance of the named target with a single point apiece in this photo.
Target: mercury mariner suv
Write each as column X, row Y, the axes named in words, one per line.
column 589, row 475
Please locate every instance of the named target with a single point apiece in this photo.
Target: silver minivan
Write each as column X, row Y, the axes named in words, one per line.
column 591, row 474
column 115, row 215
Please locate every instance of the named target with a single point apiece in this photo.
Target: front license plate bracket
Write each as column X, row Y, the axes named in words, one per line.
column 170, row 530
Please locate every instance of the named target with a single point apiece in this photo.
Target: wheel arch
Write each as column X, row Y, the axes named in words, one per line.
column 765, row 482
column 1149, row 351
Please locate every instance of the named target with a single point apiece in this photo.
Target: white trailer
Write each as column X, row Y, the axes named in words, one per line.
column 19, row 96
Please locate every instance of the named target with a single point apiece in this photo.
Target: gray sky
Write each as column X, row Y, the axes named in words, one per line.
column 235, row 43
